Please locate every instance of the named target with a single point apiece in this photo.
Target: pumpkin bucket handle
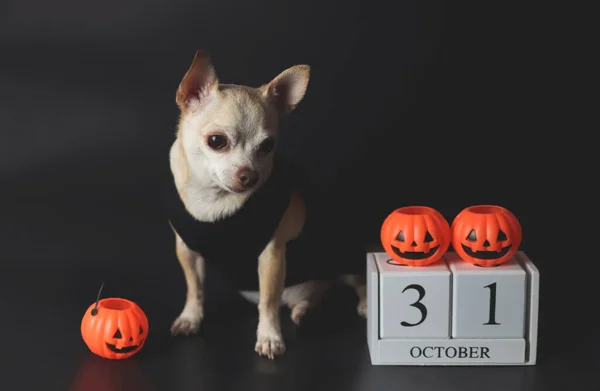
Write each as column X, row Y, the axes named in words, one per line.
column 95, row 309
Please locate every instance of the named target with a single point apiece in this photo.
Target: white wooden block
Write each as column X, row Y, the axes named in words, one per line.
column 452, row 351
column 487, row 302
column 533, row 298
column 414, row 301
column 372, row 307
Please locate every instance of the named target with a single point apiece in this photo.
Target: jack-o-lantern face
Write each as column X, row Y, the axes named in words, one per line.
column 415, row 235
column 115, row 329
column 486, row 235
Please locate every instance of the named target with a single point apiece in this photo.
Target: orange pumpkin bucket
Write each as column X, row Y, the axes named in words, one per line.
column 486, row 235
column 415, row 235
column 114, row 328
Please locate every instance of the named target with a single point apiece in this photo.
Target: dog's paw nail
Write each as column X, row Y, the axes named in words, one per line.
column 361, row 308
column 296, row 318
column 298, row 312
column 270, row 347
column 185, row 326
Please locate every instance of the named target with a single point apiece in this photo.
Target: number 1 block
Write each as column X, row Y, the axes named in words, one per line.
column 487, row 302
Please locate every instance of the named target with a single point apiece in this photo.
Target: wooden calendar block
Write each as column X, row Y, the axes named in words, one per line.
column 487, row 302
column 475, row 351
column 414, row 302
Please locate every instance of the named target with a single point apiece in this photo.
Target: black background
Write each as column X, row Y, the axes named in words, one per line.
column 409, row 103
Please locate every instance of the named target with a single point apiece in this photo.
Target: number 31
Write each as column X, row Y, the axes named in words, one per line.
column 423, row 310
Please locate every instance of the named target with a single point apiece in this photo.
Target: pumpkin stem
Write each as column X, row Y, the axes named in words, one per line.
column 95, row 309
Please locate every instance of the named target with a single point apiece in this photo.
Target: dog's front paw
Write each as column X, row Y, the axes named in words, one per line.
column 185, row 326
column 188, row 323
column 269, row 343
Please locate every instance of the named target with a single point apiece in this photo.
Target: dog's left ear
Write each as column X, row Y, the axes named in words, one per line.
column 287, row 90
column 199, row 82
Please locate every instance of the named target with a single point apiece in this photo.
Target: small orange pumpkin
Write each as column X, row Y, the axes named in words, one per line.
column 114, row 328
column 486, row 235
column 415, row 235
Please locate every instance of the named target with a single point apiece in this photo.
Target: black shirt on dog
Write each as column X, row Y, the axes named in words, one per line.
column 232, row 245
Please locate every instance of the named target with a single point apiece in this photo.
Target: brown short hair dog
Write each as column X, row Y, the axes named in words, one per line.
column 223, row 166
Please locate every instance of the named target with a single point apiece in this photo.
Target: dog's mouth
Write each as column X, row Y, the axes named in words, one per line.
column 124, row 349
column 225, row 188
column 238, row 190
column 486, row 254
column 415, row 255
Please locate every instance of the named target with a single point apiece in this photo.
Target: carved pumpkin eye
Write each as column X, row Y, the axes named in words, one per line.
column 400, row 237
column 472, row 237
column 501, row 236
column 118, row 334
column 141, row 330
column 428, row 237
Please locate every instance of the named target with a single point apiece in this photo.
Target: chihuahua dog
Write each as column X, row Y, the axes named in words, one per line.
column 235, row 203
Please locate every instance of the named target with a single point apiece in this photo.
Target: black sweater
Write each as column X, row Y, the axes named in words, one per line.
column 232, row 245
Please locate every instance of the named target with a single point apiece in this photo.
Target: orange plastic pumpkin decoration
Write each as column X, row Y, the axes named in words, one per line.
column 486, row 235
column 114, row 328
column 415, row 235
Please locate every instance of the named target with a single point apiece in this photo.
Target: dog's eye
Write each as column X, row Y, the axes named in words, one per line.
column 217, row 141
column 267, row 145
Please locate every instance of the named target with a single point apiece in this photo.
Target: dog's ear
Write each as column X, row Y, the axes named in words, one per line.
column 199, row 81
column 287, row 90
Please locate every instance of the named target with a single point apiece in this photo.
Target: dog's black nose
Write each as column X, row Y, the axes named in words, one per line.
column 247, row 177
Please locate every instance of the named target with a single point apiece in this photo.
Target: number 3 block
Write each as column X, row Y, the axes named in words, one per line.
column 487, row 302
column 415, row 301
